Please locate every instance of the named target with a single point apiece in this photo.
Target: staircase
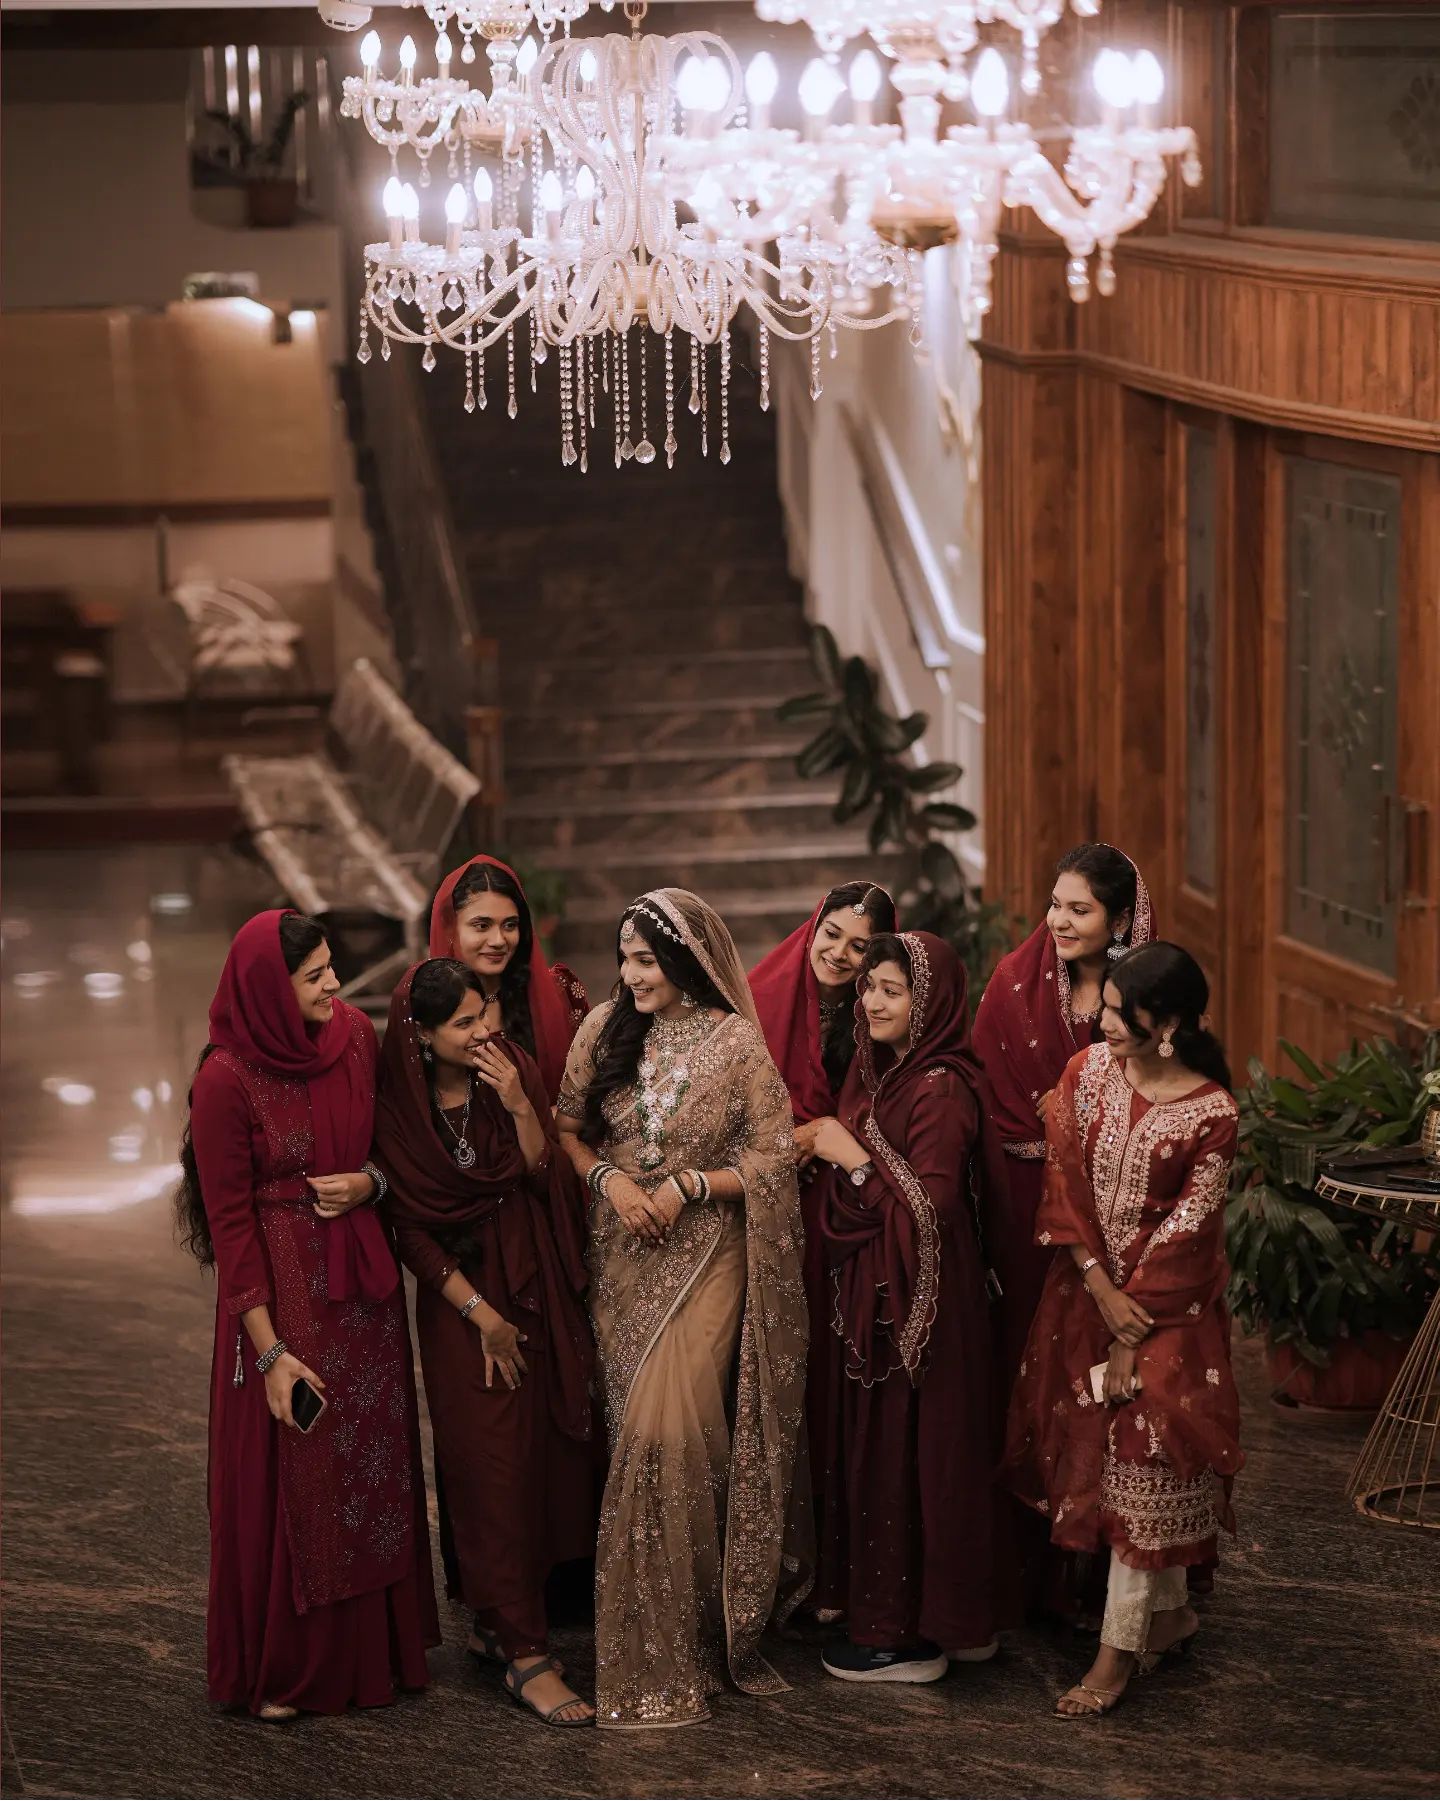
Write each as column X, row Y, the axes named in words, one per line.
column 648, row 629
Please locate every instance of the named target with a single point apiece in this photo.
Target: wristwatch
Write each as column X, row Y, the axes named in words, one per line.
column 862, row 1175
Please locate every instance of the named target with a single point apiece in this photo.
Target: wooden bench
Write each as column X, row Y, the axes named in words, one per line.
column 359, row 829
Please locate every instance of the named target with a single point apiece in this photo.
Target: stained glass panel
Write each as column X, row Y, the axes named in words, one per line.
column 1342, row 595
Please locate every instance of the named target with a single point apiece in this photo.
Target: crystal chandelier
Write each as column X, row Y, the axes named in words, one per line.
column 610, row 269
column 914, row 189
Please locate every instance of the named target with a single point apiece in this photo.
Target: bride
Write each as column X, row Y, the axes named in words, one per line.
column 677, row 1119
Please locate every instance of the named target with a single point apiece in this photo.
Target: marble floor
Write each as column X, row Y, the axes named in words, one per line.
column 1318, row 1674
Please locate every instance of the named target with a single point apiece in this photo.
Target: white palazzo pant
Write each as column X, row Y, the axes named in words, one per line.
column 1133, row 1596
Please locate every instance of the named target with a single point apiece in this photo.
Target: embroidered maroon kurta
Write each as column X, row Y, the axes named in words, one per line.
column 1142, row 1187
column 320, row 1586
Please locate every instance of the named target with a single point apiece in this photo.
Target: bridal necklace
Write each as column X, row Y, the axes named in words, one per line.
column 664, row 1078
column 464, row 1152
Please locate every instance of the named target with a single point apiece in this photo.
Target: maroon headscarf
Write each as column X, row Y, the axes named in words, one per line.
column 1024, row 1030
column 541, row 1241
column 549, row 1016
column 787, row 1003
column 875, row 1108
column 256, row 1017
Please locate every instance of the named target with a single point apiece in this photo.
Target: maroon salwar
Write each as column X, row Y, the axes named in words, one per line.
column 910, row 1545
column 320, row 1586
column 518, row 1466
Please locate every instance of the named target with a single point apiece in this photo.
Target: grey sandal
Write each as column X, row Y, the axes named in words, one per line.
column 516, row 1684
column 488, row 1650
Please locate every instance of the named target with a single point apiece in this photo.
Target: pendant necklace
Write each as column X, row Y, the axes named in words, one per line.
column 464, row 1152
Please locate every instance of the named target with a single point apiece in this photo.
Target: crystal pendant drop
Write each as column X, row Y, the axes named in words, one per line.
column 725, row 451
column 539, row 354
column 467, row 52
column 694, row 400
column 512, row 409
column 427, row 362
column 385, row 350
column 469, row 400
column 627, row 450
column 644, row 451
column 362, row 354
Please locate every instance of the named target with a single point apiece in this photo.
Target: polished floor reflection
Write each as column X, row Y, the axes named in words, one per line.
column 1318, row 1668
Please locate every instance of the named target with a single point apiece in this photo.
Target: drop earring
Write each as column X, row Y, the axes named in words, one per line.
column 1116, row 950
column 426, row 1052
column 1166, row 1049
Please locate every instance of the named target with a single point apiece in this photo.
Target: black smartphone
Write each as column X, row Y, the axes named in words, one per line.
column 306, row 1405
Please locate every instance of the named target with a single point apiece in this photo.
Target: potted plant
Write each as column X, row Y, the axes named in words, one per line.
column 1338, row 1294
column 860, row 740
column 271, row 196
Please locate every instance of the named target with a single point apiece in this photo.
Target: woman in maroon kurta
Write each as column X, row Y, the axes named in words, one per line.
column 1039, row 1008
column 480, row 916
column 909, row 1548
column 320, row 1587
column 1140, row 1137
column 804, row 993
column 489, row 1216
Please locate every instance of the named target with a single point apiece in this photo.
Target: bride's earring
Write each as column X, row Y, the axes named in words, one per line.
column 1116, row 950
column 1166, row 1048
column 425, row 1051
column 688, row 1000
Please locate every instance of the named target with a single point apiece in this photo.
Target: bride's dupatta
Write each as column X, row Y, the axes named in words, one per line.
column 732, row 1111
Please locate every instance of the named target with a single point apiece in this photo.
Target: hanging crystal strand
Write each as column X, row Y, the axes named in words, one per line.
column 815, row 389
column 362, row 349
column 670, row 445
column 834, row 331
column 704, row 404
column 694, row 375
column 607, row 357
column 725, row 395
column 385, row 348
column 427, row 362
column 764, row 369
column 644, row 450
column 469, row 372
column 590, row 382
column 567, row 402
column 513, row 407
column 915, row 301
column 480, row 374
column 584, row 400
column 615, row 401
column 627, row 449
column 534, row 358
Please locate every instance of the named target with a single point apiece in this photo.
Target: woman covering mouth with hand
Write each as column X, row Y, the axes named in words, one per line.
column 489, row 1217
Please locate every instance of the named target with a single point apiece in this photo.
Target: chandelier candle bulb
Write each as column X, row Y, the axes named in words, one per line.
column 585, row 194
column 411, row 207
column 525, row 59
column 1114, row 79
column 552, row 199
column 990, row 85
column 762, row 79
column 443, row 54
column 407, row 60
column 484, row 194
column 864, row 86
column 820, row 88
column 455, row 210
column 589, row 69
column 1149, row 80
column 393, row 201
column 370, row 53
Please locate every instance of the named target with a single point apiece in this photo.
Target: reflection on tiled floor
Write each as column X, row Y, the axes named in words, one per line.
column 1317, row 1674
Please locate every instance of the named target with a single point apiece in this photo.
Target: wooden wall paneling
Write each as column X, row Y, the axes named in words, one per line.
column 1245, row 819
column 1249, row 143
column 1420, row 742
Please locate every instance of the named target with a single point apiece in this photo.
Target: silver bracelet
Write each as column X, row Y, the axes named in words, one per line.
column 1085, row 1268
column 376, row 1175
column 471, row 1304
column 266, row 1358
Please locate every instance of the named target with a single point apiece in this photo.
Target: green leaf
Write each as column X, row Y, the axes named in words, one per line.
column 896, row 735
column 803, row 705
column 1324, row 1231
column 930, row 777
column 946, row 816
column 825, row 654
column 856, row 793
column 940, row 869
column 823, row 754
column 859, row 684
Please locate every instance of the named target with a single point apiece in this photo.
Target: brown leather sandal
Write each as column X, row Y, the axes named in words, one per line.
column 1106, row 1699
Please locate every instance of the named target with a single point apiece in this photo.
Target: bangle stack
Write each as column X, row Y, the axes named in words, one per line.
column 600, row 1174
column 701, row 1191
column 266, row 1359
column 382, row 1187
column 471, row 1304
